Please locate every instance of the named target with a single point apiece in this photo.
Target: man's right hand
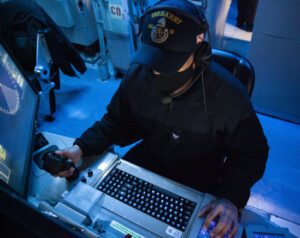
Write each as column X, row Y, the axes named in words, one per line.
column 74, row 153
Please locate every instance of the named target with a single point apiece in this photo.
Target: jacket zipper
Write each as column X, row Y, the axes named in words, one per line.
column 166, row 149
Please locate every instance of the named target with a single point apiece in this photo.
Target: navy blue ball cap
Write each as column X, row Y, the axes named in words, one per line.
column 168, row 36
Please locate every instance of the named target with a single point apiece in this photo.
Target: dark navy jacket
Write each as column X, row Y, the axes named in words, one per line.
column 178, row 141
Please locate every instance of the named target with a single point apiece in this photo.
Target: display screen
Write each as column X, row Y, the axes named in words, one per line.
column 18, row 103
column 266, row 235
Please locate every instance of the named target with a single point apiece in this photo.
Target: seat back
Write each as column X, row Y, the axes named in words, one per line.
column 238, row 65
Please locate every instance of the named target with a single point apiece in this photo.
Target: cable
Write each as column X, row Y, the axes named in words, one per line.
column 206, row 115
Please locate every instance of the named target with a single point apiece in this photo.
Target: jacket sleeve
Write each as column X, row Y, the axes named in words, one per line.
column 118, row 125
column 246, row 149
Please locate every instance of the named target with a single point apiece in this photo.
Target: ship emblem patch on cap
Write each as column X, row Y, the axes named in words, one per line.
column 159, row 32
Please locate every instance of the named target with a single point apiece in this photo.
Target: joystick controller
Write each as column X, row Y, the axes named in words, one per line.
column 53, row 163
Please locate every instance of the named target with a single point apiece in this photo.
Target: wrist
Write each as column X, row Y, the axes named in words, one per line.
column 77, row 148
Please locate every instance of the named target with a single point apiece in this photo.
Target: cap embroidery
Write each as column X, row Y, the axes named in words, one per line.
column 159, row 32
column 168, row 15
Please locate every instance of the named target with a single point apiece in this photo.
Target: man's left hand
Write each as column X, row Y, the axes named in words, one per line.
column 228, row 217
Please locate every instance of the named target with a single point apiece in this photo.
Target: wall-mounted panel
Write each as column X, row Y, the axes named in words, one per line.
column 275, row 54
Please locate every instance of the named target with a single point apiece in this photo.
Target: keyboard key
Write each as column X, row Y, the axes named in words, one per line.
column 188, row 213
column 121, row 193
column 127, row 185
column 134, row 183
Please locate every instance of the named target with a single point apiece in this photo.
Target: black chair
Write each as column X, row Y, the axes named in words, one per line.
column 238, row 65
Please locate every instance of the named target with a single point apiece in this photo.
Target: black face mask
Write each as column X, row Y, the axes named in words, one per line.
column 167, row 84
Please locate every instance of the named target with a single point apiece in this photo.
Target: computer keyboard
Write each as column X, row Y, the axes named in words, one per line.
column 148, row 198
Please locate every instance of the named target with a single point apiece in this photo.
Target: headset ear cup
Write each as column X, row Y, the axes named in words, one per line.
column 202, row 54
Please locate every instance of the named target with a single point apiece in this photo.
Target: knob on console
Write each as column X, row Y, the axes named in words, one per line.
column 90, row 173
column 83, row 179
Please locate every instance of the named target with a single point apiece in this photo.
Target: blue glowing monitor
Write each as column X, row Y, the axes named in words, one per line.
column 18, row 104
